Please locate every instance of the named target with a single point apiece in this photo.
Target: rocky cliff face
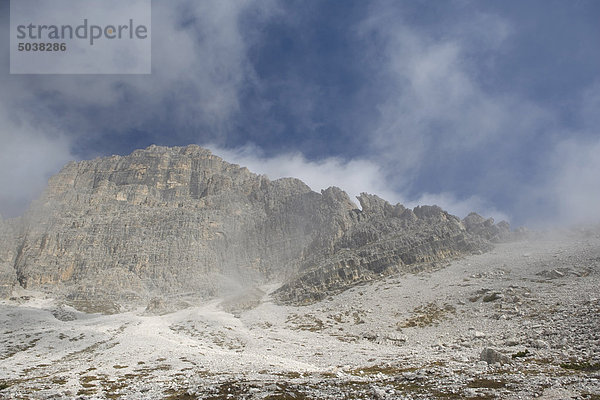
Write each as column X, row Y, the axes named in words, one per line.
column 8, row 251
column 170, row 221
column 380, row 240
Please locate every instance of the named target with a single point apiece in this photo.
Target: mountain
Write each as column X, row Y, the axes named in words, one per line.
column 170, row 223
column 8, row 250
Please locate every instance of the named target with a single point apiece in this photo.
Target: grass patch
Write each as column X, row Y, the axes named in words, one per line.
column 307, row 322
column 486, row 383
column 427, row 315
column 87, row 379
column 87, row 391
column 380, row 369
column 288, row 374
column 520, row 354
column 179, row 395
column 581, row 366
column 59, row 380
column 591, row 396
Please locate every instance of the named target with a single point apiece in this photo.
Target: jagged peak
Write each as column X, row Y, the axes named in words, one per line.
column 373, row 203
column 426, row 211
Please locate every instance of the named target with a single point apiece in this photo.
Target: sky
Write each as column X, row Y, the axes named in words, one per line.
column 482, row 106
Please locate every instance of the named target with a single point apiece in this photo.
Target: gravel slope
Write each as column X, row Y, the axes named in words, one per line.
column 534, row 305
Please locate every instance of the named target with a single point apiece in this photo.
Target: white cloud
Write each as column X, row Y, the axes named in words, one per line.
column 28, row 157
column 575, row 187
column 353, row 176
column 200, row 63
column 435, row 111
column 461, row 207
column 432, row 101
column 433, row 96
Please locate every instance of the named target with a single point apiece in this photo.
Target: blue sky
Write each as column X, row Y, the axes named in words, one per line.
column 473, row 105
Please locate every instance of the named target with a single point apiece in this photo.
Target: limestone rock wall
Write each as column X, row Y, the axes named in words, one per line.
column 165, row 222
column 8, row 252
column 162, row 220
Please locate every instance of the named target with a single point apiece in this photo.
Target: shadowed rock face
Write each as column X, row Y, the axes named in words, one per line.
column 170, row 221
column 8, row 250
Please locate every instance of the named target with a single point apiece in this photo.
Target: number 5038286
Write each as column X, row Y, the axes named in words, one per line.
column 42, row 46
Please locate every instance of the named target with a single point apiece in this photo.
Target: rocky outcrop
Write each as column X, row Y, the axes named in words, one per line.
column 163, row 222
column 492, row 356
column 381, row 240
column 485, row 228
column 8, row 252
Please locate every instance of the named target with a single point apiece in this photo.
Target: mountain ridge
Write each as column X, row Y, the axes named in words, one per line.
column 116, row 232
